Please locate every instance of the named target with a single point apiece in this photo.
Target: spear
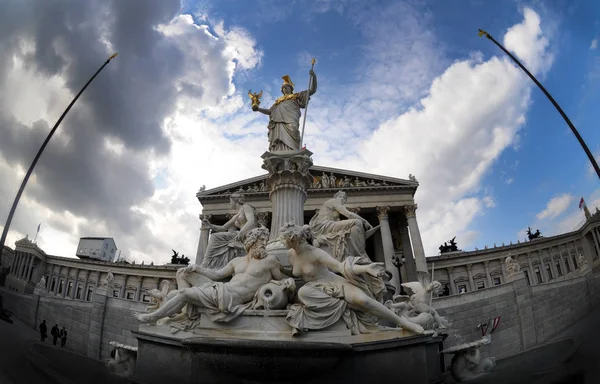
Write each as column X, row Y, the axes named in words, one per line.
column 313, row 61
column 558, row 108
column 37, row 156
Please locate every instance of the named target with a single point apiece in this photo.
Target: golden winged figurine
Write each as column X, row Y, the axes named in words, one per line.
column 255, row 97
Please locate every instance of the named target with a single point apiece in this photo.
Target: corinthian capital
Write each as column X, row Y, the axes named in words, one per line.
column 410, row 210
column 354, row 209
column 382, row 212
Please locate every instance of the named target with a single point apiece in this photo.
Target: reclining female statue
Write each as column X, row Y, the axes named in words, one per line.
column 326, row 297
column 225, row 242
column 343, row 237
column 224, row 302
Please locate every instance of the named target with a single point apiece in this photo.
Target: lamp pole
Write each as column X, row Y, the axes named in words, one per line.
column 398, row 263
column 562, row 113
column 39, row 153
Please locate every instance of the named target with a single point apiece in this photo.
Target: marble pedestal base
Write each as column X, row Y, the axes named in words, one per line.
column 260, row 349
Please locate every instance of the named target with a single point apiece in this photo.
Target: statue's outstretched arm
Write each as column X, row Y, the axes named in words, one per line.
column 339, row 207
column 313, row 83
column 327, row 260
column 219, row 274
column 262, row 110
column 251, row 220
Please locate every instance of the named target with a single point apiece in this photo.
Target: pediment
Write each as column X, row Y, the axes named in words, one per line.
column 324, row 179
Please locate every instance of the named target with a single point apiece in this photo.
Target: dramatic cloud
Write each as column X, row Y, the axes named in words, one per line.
column 556, row 207
column 105, row 162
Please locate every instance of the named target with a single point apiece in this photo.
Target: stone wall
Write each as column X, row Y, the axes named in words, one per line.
column 530, row 315
column 119, row 322
column 71, row 314
column 91, row 325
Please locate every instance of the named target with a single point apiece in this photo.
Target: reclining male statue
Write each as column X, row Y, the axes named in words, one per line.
column 224, row 302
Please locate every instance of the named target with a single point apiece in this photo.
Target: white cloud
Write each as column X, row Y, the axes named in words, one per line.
column 594, row 44
column 528, row 42
column 556, row 207
column 573, row 216
column 510, row 181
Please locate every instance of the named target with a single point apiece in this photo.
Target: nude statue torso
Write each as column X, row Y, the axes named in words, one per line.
column 249, row 275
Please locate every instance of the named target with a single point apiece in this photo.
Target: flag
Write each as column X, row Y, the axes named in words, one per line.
column 39, row 225
column 495, row 324
column 581, row 203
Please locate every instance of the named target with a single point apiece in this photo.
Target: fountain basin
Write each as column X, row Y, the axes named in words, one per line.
column 238, row 352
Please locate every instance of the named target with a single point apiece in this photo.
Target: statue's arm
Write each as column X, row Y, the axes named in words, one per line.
column 327, row 260
column 262, row 110
column 219, row 274
column 313, row 83
column 251, row 220
column 339, row 207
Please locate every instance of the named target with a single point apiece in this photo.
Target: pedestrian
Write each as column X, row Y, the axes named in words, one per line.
column 63, row 337
column 43, row 331
column 54, row 332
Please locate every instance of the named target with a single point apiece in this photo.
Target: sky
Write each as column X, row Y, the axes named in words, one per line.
column 405, row 87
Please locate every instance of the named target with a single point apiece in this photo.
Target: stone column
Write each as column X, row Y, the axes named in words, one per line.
column 470, row 274
column 552, row 265
column 15, row 264
column 75, row 283
column 417, row 243
column 85, row 286
column 452, row 286
column 123, row 288
column 532, row 276
column 596, row 242
column 542, row 268
column 204, row 235
column 66, row 285
column 30, row 275
column 289, row 177
column 561, row 261
column 21, row 262
column 410, row 266
column 24, row 259
column 486, row 265
column 503, row 268
column 388, row 244
column 569, row 258
column 138, row 293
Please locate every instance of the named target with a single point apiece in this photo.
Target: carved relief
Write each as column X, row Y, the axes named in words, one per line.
column 382, row 212
column 325, row 181
column 410, row 210
column 262, row 218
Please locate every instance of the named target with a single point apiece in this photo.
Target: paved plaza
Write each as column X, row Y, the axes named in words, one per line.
column 572, row 356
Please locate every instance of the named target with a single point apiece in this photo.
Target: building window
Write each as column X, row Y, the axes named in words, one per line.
column 497, row 281
column 567, row 266
column 115, row 293
column 69, row 288
column 129, row 295
column 78, row 293
column 538, row 275
column 53, row 285
column 558, row 270
column 146, row 298
column 60, row 286
column 480, row 284
column 574, row 261
column 90, row 292
column 527, row 277
column 549, row 272
column 47, row 281
column 462, row 288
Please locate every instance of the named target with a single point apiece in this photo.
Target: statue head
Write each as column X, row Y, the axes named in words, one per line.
column 287, row 88
column 256, row 241
column 236, row 199
column 341, row 195
column 292, row 234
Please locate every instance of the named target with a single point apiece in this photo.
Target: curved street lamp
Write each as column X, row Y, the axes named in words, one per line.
column 39, row 153
column 562, row 113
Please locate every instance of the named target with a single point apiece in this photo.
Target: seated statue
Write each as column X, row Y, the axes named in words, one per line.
column 225, row 242
column 343, row 237
column 403, row 308
column 224, row 302
column 420, row 300
column 334, row 290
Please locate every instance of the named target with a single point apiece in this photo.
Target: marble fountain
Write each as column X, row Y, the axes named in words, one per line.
column 281, row 306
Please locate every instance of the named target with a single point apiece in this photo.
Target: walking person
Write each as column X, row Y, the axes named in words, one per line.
column 63, row 337
column 43, row 331
column 54, row 332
